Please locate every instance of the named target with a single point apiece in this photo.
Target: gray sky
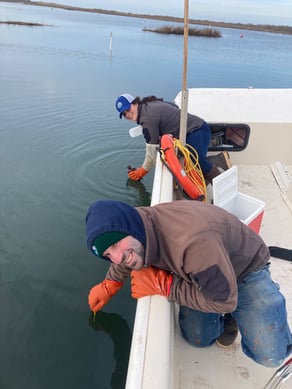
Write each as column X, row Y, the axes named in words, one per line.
column 278, row 12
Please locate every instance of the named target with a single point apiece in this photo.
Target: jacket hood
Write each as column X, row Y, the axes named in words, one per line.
column 110, row 215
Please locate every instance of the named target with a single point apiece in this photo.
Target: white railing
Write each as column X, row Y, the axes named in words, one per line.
column 152, row 341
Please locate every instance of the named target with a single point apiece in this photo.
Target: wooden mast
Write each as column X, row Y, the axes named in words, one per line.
column 185, row 92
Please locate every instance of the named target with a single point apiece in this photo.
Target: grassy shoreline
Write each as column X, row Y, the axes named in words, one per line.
column 202, row 32
column 18, row 23
column 209, row 23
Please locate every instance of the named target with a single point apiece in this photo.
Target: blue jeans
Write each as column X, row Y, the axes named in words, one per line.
column 261, row 317
column 200, row 139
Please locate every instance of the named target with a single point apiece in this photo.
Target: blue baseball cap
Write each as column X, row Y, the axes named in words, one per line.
column 123, row 103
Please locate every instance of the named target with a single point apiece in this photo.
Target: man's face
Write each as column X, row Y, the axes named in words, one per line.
column 127, row 251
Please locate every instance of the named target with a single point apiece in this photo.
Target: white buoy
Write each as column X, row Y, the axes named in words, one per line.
column 111, row 42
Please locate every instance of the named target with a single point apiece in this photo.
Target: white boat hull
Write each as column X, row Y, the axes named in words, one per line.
column 160, row 358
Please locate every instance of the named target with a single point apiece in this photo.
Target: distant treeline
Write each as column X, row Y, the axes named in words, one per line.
column 240, row 26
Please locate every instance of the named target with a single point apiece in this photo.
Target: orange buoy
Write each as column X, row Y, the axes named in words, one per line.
column 191, row 183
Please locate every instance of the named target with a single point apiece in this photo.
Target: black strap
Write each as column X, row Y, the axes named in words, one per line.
column 280, row 252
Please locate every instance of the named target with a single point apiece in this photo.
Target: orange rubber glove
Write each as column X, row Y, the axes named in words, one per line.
column 101, row 294
column 137, row 174
column 150, row 281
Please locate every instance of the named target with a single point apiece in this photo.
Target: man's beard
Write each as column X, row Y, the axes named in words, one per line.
column 137, row 250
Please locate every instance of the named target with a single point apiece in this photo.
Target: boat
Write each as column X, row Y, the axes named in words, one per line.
column 160, row 358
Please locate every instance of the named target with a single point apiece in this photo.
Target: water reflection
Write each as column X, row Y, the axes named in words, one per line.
column 118, row 330
column 144, row 196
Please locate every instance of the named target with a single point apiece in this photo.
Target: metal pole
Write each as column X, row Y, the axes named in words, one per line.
column 185, row 92
column 111, row 42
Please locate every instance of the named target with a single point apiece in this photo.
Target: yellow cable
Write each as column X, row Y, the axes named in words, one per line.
column 191, row 163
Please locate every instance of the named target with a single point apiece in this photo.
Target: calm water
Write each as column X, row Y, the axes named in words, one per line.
column 62, row 146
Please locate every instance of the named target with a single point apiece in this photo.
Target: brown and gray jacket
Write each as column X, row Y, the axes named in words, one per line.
column 207, row 250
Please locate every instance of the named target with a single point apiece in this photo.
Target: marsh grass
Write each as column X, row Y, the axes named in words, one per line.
column 18, row 23
column 205, row 32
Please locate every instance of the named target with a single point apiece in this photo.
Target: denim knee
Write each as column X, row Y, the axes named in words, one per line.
column 266, row 336
column 269, row 361
column 200, row 329
column 195, row 338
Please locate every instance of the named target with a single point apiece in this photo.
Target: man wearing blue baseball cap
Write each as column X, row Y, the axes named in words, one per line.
column 158, row 117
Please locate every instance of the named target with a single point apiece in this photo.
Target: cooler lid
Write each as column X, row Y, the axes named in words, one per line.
column 225, row 186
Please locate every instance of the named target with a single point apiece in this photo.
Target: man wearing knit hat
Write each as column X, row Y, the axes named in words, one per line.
column 201, row 257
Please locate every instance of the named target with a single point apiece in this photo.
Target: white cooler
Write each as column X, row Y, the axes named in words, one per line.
column 225, row 195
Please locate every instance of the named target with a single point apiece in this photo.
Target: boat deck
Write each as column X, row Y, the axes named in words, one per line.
column 160, row 358
column 218, row 368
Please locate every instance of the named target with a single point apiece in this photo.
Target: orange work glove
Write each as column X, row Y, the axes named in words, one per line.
column 137, row 174
column 101, row 294
column 150, row 281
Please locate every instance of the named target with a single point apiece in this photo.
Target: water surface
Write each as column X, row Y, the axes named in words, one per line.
column 62, row 146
